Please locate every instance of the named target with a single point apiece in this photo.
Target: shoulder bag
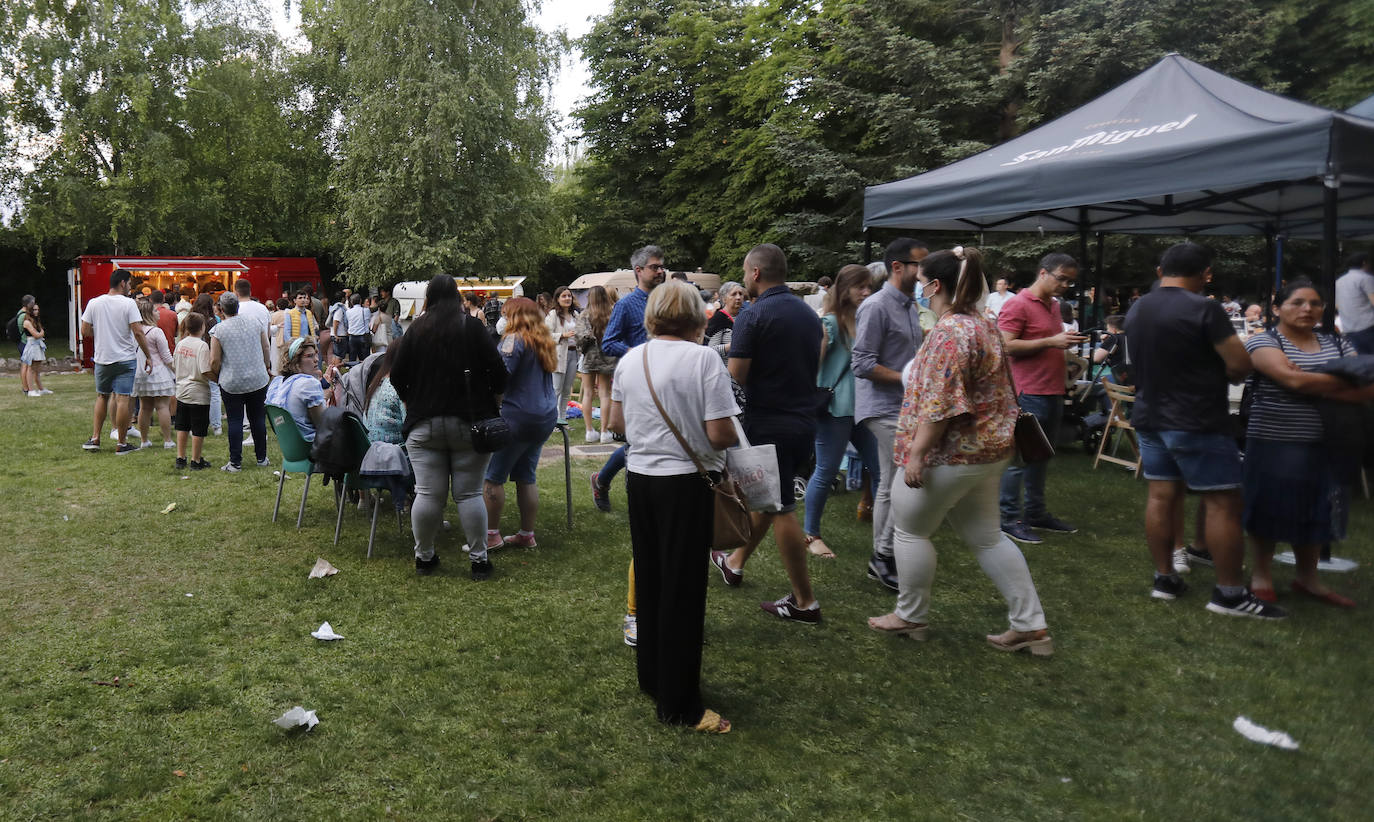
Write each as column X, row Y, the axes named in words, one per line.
column 731, row 525
column 493, row 433
column 1031, row 443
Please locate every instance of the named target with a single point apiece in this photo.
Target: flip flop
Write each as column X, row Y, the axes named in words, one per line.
column 712, row 723
column 817, row 547
column 1330, row 597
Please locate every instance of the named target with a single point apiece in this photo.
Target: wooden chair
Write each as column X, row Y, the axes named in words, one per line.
column 1122, row 398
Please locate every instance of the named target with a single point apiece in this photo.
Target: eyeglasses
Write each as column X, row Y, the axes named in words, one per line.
column 907, row 262
column 1063, row 279
column 656, row 267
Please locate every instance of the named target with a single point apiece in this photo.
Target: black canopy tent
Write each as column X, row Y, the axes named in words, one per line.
column 1179, row 149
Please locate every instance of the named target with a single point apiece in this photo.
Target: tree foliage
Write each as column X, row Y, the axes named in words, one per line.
column 717, row 124
column 441, row 129
column 146, row 126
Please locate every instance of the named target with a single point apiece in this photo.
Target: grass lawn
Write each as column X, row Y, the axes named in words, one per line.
column 515, row 699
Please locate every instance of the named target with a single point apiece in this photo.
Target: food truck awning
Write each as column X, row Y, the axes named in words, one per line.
column 154, row 264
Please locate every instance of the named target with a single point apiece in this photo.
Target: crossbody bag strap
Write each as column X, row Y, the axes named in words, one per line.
column 467, row 362
column 676, row 433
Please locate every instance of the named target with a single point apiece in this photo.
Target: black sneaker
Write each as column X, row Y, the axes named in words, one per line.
column 1245, row 605
column 425, row 567
column 600, row 496
column 200, row 464
column 1049, row 522
column 884, row 570
column 1169, row 588
column 1199, row 556
column 91, row 444
column 125, row 448
column 1021, row 532
column 481, row 570
column 181, row 463
column 786, row 608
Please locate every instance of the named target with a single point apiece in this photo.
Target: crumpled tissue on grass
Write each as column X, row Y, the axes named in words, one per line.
column 322, row 569
column 296, row 717
column 1262, row 735
column 325, row 631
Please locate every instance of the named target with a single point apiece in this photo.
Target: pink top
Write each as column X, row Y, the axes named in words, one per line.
column 960, row 377
column 1026, row 318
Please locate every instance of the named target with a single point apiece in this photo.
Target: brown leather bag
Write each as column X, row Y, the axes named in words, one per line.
column 731, row 523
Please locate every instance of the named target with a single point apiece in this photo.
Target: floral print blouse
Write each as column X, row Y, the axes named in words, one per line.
column 960, row 377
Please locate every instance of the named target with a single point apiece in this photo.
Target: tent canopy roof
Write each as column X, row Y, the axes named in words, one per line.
column 1177, row 149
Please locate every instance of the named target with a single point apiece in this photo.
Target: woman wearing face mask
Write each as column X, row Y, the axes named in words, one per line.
column 835, row 426
column 954, row 438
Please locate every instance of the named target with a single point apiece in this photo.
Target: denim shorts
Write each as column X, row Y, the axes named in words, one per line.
column 518, row 461
column 115, row 378
column 1204, row 462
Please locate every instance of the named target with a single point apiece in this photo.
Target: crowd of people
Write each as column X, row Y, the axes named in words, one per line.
column 923, row 369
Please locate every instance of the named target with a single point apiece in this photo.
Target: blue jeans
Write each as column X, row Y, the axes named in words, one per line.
column 832, row 435
column 615, row 463
column 1362, row 340
column 1049, row 410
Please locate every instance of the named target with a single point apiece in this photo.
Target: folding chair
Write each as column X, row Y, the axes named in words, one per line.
column 1122, row 398
column 295, row 453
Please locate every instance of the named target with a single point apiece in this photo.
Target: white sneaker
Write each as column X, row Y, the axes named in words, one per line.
column 35, row 393
column 607, row 436
column 630, row 630
column 231, row 468
column 146, row 444
column 45, row 391
column 132, row 432
column 168, row 444
column 593, row 436
column 1181, row 562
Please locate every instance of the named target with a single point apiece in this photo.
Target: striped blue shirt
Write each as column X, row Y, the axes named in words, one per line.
column 1280, row 414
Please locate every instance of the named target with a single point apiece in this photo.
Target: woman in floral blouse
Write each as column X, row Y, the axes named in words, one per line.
column 954, row 437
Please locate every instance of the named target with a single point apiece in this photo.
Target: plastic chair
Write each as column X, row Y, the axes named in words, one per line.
column 1122, row 397
column 358, row 433
column 295, row 452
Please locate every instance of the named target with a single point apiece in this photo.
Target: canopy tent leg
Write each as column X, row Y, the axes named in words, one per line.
column 868, row 246
column 1330, row 193
column 1099, row 286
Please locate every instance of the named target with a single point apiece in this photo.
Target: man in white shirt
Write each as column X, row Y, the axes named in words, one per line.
column 251, row 308
column 1355, row 302
column 117, row 326
column 999, row 298
column 358, row 336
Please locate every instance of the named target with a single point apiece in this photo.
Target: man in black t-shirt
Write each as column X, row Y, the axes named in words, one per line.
column 1183, row 353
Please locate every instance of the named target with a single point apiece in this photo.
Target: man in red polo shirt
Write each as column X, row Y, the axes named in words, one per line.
column 1034, row 335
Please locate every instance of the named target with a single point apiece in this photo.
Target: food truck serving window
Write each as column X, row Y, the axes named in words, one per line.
column 205, row 275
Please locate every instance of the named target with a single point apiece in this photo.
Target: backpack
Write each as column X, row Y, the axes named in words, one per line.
column 14, row 331
column 335, row 451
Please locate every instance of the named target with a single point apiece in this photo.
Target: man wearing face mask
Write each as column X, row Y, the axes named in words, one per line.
column 1034, row 334
column 887, row 332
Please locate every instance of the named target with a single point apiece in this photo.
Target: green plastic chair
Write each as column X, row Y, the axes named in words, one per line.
column 358, row 433
column 354, row 481
column 295, row 453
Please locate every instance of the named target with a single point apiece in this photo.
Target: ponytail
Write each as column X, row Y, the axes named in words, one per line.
column 960, row 274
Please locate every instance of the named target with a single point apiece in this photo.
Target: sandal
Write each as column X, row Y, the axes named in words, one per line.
column 712, row 723
column 817, row 547
column 1038, row 642
column 1329, row 597
column 895, row 625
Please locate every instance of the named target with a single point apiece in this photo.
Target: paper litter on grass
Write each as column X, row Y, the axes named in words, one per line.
column 296, row 717
column 322, row 569
column 326, row 632
column 1262, row 735
column 170, row 507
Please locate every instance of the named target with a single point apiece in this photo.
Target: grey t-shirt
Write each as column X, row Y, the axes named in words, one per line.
column 1353, row 290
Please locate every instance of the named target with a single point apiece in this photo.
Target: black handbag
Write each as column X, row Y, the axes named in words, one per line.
column 1031, row 443
column 493, row 433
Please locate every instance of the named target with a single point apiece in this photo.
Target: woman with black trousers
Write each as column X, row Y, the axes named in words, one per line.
column 670, row 503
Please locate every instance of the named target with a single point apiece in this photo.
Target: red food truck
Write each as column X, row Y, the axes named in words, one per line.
column 270, row 276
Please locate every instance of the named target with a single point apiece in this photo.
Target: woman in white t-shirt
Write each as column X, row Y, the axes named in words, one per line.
column 671, row 506
column 562, row 323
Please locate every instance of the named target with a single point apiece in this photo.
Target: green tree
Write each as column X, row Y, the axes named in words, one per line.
column 156, row 127
column 440, row 129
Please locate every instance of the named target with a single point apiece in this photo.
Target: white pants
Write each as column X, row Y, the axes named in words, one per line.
column 884, row 430
column 966, row 495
